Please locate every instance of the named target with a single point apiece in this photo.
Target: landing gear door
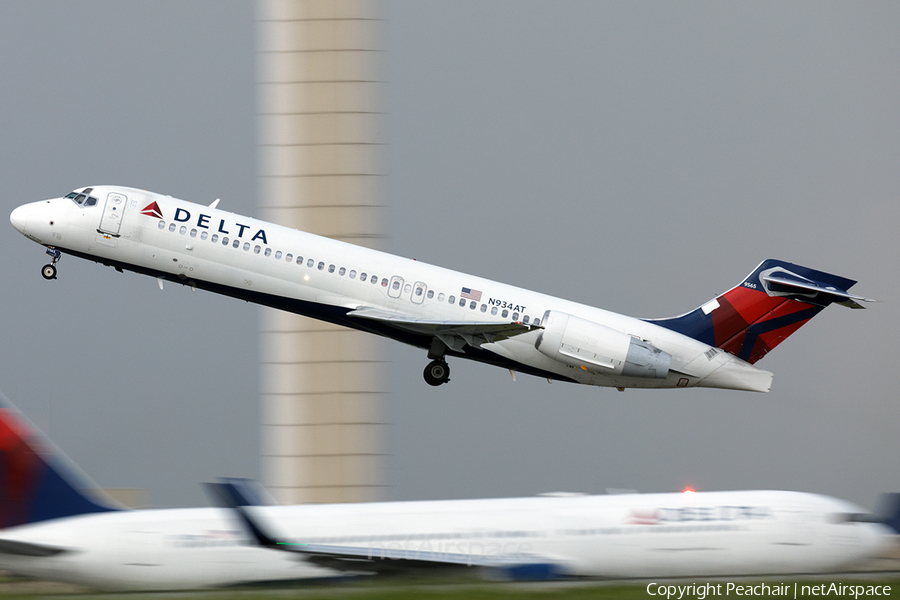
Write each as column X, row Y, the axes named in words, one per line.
column 111, row 221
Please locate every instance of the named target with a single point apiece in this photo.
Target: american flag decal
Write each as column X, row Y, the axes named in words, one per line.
column 471, row 294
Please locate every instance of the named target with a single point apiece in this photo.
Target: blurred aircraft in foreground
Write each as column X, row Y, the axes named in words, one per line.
column 622, row 536
column 54, row 527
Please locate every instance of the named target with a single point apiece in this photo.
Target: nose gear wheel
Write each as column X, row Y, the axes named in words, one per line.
column 48, row 272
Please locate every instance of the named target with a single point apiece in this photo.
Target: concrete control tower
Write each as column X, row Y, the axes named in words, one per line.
column 321, row 386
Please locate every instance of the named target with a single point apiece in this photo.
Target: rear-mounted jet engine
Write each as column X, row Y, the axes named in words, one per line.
column 599, row 349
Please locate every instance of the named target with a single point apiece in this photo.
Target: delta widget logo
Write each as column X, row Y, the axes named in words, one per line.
column 152, row 210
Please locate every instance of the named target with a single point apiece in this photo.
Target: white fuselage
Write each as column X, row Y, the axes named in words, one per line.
column 285, row 268
column 618, row 536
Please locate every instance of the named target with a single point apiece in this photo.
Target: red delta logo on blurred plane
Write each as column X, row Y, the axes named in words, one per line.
column 660, row 516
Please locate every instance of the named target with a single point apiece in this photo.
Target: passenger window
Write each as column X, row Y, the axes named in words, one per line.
column 204, row 235
column 214, row 238
column 172, row 226
column 352, row 274
column 162, row 224
column 396, row 285
column 310, row 263
column 236, row 244
column 341, row 271
column 515, row 316
column 472, row 305
column 278, row 255
column 300, row 260
column 494, row 311
column 193, row 233
column 224, row 240
column 362, row 276
column 408, row 287
column 331, row 268
column 441, row 297
column 462, row 301
column 182, row 230
column 268, row 252
column 256, row 249
column 483, row 307
column 452, row 299
column 246, row 246
column 384, row 282
column 289, row 257
column 536, row 322
column 505, row 313
column 430, row 294
column 418, row 291
column 321, row 265
column 525, row 319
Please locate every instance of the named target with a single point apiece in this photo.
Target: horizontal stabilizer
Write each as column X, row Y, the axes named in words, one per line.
column 17, row 548
column 782, row 283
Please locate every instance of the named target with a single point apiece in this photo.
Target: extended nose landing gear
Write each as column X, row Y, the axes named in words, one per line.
column 49, row 271
column 437, row 372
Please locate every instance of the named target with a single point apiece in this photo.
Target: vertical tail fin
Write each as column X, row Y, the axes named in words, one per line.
column 37, row 482
column 773, row 302
column 889, row 512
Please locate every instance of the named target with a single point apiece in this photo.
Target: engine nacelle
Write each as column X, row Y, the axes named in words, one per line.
column 598, row 348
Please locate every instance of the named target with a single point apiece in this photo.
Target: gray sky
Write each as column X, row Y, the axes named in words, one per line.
column 641, row 157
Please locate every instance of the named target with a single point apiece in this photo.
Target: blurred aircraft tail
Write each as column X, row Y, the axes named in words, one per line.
column 37, row 482
column 889, row 512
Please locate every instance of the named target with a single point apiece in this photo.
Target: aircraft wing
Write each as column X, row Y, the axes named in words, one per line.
column 358, row 559
column 473, row 333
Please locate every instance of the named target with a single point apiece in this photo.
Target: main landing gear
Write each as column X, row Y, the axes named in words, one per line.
column 48, row 272
column 437, row 372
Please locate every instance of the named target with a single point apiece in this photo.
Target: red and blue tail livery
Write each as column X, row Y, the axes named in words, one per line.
column 36, row 484
column 773, row 302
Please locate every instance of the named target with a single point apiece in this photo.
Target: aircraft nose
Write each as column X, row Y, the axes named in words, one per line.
column 19, row 217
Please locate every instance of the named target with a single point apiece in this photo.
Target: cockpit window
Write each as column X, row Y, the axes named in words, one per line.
column 82, row 198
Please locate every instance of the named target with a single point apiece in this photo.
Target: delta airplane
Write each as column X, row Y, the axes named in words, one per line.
column 445, row 312
column 54, row 527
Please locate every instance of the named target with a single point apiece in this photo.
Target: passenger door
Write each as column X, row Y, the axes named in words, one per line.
column 111, row 220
